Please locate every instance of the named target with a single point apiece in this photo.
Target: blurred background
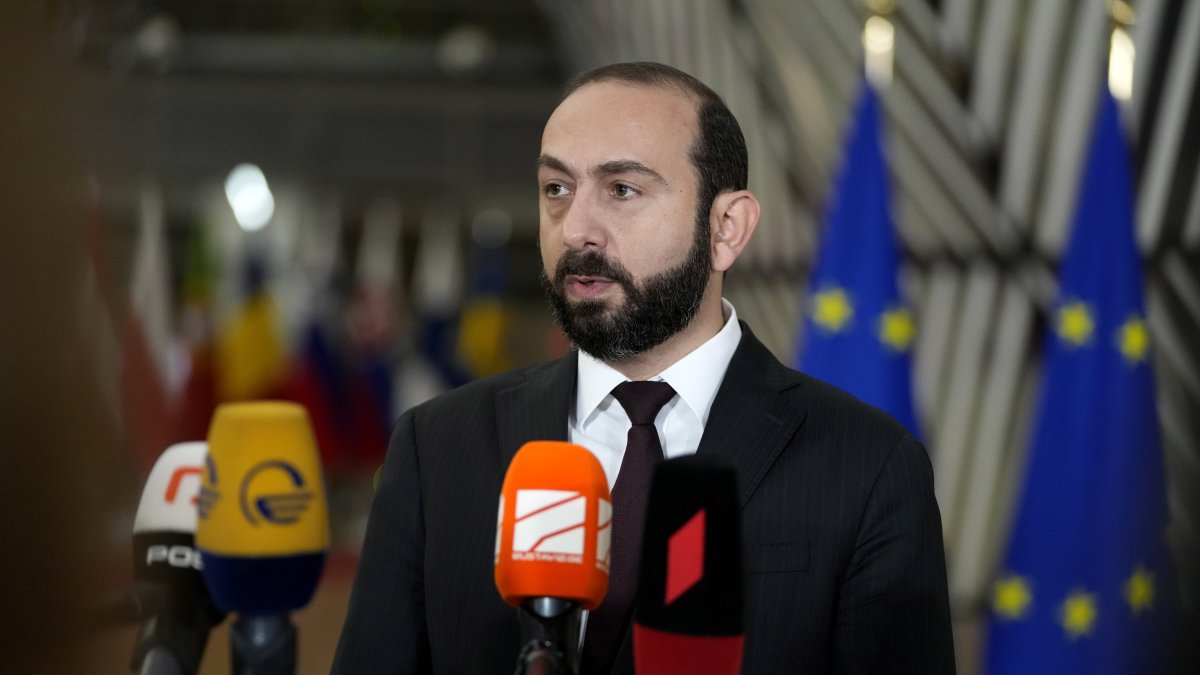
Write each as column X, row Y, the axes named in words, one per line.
column 333, row 202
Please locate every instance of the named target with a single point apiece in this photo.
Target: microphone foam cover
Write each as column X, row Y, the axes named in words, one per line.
column 690, row 598
column 263, row 526
column 554, row 526
column 164, row 528
column 169, row 498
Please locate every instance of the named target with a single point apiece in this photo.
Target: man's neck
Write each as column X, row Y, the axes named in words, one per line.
column 709, row 321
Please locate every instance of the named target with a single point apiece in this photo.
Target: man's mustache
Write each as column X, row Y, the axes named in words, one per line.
column 590, row 264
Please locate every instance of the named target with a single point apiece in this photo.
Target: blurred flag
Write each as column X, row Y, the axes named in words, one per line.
column 315, row 374
column 315, row 380
column 373, row 323
column 484, row 320
column 250, row 353
column 1087, row 586
column 198, row 399
column 858, row 333
column 437, row 295
column 147, row 390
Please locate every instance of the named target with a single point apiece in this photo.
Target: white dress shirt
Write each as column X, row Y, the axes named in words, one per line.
column 599, row 423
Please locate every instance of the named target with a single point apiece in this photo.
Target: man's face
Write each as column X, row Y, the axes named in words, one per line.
column 625, row 248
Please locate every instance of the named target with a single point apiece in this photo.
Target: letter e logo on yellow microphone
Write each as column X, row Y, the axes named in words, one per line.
column 273, row 491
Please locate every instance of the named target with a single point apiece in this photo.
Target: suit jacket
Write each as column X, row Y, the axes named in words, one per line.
column 844, row 565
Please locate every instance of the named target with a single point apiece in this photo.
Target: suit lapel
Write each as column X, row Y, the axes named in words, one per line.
column 536, row 409
column 752, row 417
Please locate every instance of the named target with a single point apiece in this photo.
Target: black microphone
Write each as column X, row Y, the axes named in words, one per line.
column 169, row 596
column 690, row 616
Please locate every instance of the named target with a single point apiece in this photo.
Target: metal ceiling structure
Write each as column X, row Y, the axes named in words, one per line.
column 414, row 97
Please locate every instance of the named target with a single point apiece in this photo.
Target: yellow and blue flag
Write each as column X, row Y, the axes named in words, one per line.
column 858, row 332
column 1086, row 586
column 251, row 360
column 483, row 324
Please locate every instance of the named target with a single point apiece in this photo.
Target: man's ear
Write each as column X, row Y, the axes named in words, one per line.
column 733, row 217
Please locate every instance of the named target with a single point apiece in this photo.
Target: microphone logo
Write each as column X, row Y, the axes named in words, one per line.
column 174, row 485
column 685, row 558
column 273, row 491
column 549, row 526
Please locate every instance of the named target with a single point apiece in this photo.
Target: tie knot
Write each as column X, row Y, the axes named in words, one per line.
column 642, row 400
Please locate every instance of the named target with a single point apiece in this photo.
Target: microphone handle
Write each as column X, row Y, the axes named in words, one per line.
column 263, row 645
column 542, row 658
column 550, row 633
column 172, row 641
column 160, row 661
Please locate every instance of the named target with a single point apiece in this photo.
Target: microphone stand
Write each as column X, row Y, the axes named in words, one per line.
column 263, row 645
column 160, row 661
column 551, row 628
column 172, row 640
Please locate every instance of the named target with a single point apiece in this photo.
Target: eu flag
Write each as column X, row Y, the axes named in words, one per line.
column 857, row 330
column 1086, row 586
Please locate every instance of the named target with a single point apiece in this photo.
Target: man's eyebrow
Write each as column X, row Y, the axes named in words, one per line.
column 609, row 168
column 554, row 163
column 628, row 166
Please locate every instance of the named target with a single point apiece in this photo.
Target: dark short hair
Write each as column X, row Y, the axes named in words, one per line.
column 719, row 152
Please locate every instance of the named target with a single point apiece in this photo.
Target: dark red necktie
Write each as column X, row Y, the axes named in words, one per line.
column 606, row 625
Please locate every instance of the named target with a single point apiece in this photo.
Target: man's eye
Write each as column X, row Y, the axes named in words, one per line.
column 554, row 189
column 624, row 191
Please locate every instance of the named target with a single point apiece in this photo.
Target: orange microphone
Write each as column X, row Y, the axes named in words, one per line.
column 553, row 532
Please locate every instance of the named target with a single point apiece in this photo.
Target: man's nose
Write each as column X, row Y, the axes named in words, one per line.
column 582, row 228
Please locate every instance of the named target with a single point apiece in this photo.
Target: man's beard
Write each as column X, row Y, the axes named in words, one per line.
column 652, row 312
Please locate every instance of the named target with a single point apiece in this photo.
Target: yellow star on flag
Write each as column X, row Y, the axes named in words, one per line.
column 832, row 309
column 1078, row 613
column 1075, row 324
column 1139, row 590
column 1011, row 597
column 896, row 329
column 1133, row 339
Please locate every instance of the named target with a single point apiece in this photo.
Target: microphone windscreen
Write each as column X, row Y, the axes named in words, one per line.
column 263, row 526
column 554, row 526
column 690, row 600
column 164, row 528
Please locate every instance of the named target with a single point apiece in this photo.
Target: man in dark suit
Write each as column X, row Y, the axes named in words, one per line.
column 644, row 206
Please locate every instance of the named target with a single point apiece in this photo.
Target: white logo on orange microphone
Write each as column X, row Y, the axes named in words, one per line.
column 549, row 526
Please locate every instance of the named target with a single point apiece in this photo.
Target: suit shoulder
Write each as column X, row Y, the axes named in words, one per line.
column 837, row 413
column 470, row 396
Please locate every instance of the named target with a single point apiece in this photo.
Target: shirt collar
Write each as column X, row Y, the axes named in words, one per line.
column 695, row 377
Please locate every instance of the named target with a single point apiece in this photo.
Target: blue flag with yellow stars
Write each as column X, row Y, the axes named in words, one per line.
column 1087, row 585
column 857, row 331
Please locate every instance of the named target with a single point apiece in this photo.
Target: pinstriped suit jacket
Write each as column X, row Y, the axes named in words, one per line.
column 845, row 570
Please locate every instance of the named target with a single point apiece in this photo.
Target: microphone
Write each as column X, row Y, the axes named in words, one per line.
column 263, row 527
column 689, row 616
column 553, row 534
column 169, row 594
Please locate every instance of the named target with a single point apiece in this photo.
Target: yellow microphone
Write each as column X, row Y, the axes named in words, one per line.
column 263, row 525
